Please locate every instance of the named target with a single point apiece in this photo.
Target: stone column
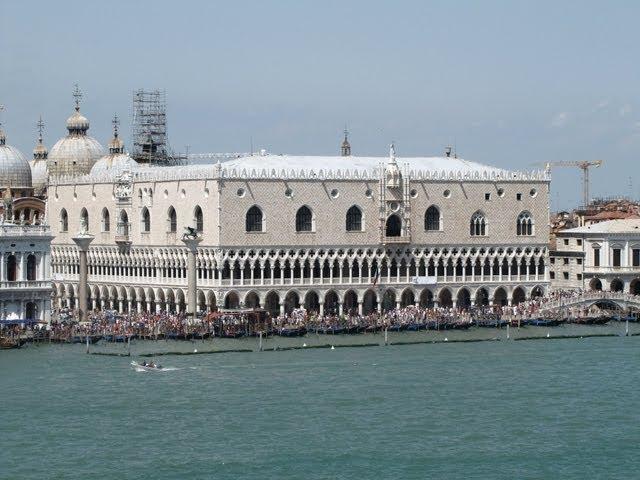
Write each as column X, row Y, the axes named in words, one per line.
column 82, row 240
column 192, row 278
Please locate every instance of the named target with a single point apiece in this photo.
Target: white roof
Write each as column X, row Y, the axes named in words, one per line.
column 317, row 163
column 631, row 225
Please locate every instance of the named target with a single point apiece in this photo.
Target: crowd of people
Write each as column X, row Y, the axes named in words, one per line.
column 114, row 326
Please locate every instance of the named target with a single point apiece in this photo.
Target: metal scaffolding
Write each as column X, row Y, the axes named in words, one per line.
column 149, row 130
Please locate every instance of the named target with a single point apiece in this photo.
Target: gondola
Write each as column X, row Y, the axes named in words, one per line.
column 292, row 332
column 93, row 339
column 11, row 343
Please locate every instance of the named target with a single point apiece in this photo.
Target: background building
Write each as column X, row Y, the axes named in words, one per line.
column 25, row 285
column 599, row 256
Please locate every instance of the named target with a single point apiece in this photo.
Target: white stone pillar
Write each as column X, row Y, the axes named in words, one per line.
column 192, row 293
column 23, row 267
column 83, row 240
column 360, row 308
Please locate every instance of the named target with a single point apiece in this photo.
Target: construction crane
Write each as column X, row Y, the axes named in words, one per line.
column 584, row 165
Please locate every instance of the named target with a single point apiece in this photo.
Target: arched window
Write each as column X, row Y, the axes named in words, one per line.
column 12, row 268
column 354, row 219
column 197, row 219
column 31, row 267
column 304, row 220
column 432, row 219
column 524, row 224
column 123, row 224
column 84, row 218
column 106, row 220
column 253, row 221
column 146, row 220
column 478, row 225
column 394, row 226
column 172, row 220
column 64, row 221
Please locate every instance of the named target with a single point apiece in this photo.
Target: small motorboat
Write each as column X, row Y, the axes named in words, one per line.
column 146, row 367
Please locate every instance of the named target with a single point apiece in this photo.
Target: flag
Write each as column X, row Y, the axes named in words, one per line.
column 376, row 275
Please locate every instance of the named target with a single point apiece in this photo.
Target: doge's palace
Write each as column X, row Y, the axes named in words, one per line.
column 332, row 234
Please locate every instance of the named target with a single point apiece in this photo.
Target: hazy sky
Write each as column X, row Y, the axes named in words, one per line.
column 512, row 83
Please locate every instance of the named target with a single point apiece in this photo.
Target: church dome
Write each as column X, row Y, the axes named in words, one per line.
column 117, row 160
column 14, row 169
column 116, row 163
column 77, row 123
column 76, row 153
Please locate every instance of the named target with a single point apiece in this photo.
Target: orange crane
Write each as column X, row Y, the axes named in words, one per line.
column 584, row 165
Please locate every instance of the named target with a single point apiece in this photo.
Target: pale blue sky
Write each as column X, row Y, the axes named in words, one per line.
column 511, row 82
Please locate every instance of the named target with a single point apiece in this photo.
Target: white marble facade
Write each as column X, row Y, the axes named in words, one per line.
column 25, row 277
column 282, row 231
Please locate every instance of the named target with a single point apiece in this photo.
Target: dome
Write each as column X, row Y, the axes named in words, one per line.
column 39, row 174
column 77, row 123
column 14, row 169
column 74, row 155
column 116, row 163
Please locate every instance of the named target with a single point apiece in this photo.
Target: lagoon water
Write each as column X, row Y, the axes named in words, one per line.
column 543, row 409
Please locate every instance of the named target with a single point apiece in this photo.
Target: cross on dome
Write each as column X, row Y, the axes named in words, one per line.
column 40, row 126
column 115, row 122
column 77, row 94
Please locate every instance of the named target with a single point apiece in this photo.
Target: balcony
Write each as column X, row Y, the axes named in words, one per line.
column 122, row 234
column 395, row 240
column 25, row 285
column 122, row 239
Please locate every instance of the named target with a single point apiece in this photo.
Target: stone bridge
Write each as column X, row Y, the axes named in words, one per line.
column 618, row 300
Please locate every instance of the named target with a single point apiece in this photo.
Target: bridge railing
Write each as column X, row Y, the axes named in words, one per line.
column 589, row 297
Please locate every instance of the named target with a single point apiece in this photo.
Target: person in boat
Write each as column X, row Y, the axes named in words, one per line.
column 144, row 364
column 152, row 365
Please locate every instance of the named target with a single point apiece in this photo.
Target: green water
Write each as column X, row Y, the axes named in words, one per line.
column 493, row 410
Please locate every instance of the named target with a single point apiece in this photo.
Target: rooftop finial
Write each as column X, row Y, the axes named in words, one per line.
column 392, row 152
column 345, row 148
column 40, row 126
column 77, row 94
column 115, row 122
column 1, row 110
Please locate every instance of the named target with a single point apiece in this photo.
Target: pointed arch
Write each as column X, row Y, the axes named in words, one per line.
column 123, row 223
column 106, row 220
column 304, row 220
column 84, row 217
column 478, row 224
column 254, row 220
column 145, row 220
column 198, row 220
column 393, row 227
column 64, row 220
column 432, row 219
column 354, row 219
column 524, row 224
column 172, row 220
